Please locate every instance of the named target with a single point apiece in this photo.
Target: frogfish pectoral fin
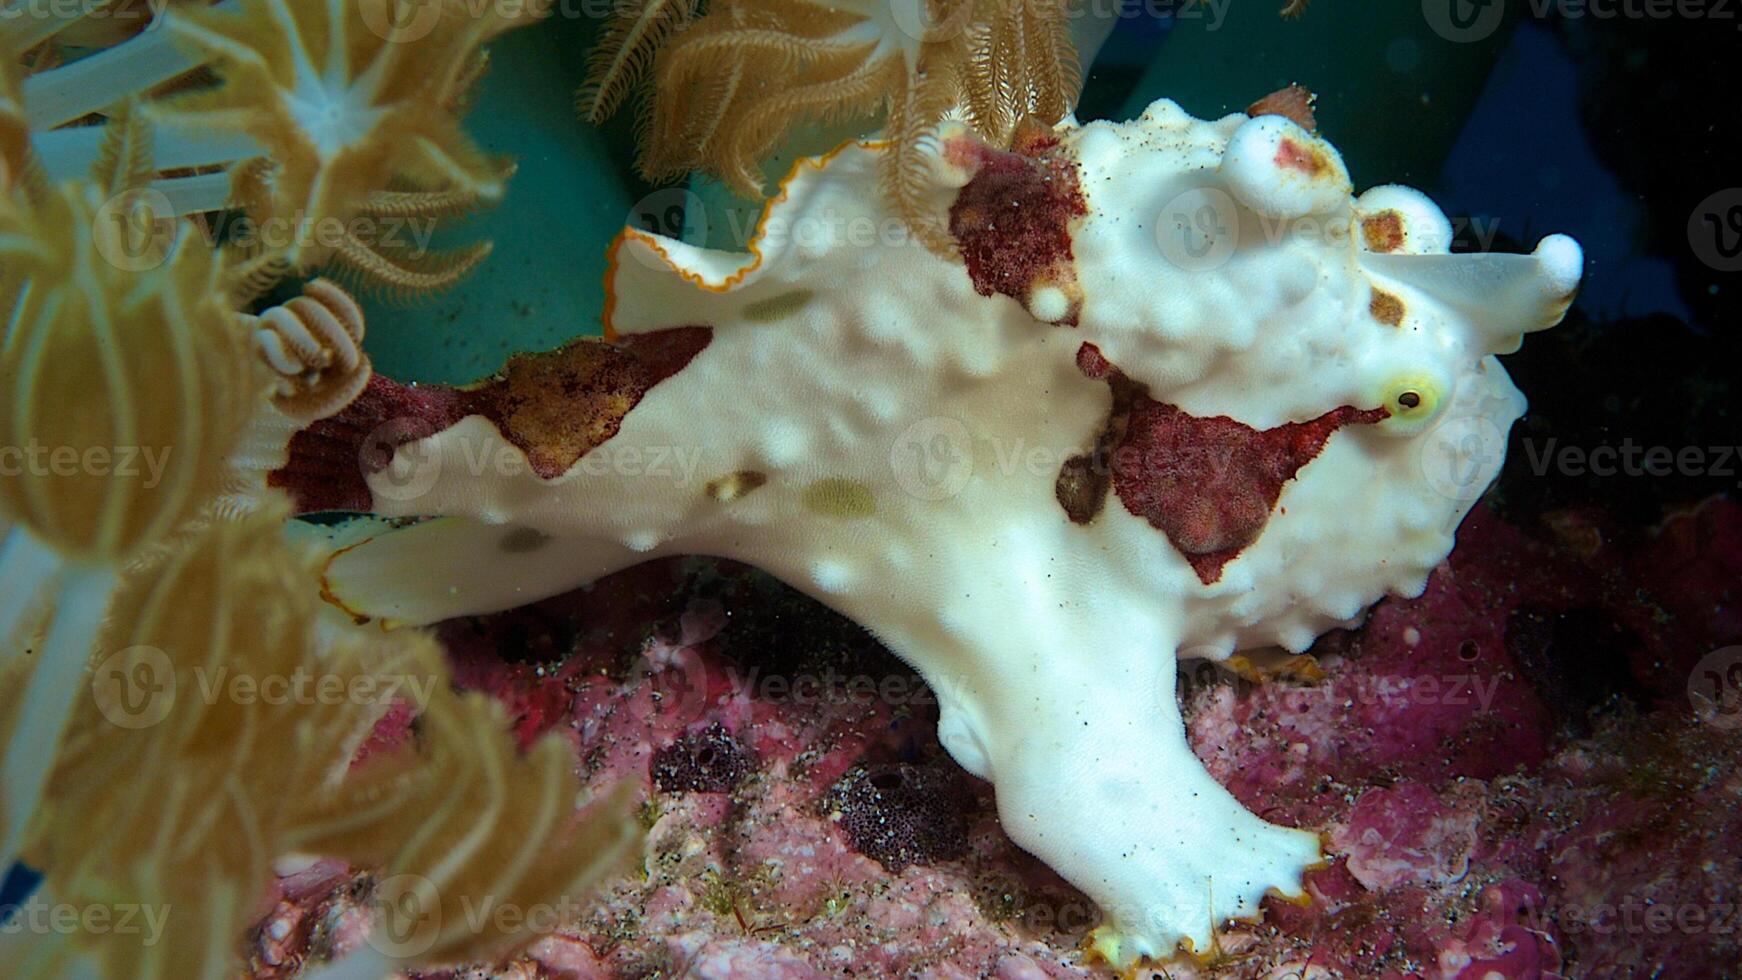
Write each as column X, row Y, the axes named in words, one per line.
column 417, row 574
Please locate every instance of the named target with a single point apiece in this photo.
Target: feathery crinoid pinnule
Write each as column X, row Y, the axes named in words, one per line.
column 357, row 107
column 627, row 45
column 727, row 87
column 1021, row 62
column 178, row 802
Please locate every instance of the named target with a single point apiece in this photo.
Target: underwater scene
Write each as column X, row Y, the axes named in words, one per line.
column 1011, row 489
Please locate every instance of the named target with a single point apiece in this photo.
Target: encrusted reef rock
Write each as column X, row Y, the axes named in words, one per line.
column 1468, row 833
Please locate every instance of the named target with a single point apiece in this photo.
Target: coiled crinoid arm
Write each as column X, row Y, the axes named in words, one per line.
column 314, row 343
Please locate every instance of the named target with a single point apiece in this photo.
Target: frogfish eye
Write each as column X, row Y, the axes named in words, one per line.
column 1413, row 400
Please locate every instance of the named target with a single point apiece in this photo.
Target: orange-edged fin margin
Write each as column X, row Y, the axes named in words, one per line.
column 818, row 163
column 331, row 595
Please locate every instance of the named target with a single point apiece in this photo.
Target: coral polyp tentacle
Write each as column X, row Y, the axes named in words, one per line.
column 84, row 322
column 342, row 108
column 161, row 555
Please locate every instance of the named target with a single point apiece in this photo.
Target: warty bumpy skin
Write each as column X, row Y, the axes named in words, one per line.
column 1197, row 398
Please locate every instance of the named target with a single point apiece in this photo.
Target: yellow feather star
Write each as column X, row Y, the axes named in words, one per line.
column 727, row 87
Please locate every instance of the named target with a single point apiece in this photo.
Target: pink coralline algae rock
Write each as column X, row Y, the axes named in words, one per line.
column 1491, row 806
column 1505, row 938
column 1508, row 773
column 1404, row 834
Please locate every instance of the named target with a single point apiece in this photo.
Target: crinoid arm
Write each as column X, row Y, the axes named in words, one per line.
column 625, row 51
column 733, row 84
